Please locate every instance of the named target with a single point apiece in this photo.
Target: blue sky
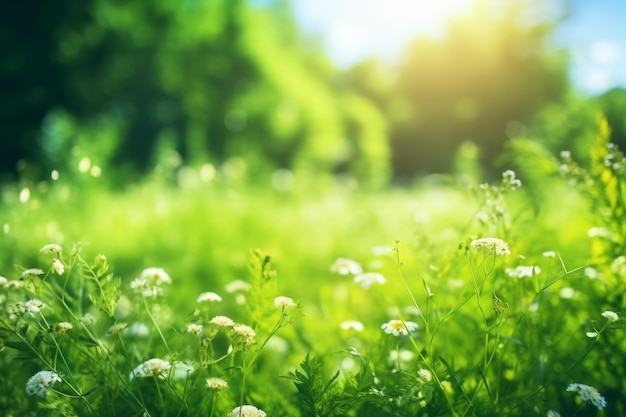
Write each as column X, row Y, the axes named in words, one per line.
column 353, row 29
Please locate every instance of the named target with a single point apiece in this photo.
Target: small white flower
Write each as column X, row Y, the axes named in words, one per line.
column 222, row 321
column 151, row 368
column 567, row 293
column 155, row 276
column 549, row 254
column 51, row 248
column 508, row 179
column 33, row 306
column 238, row 285
column 591, row 334
column 352, row 325
column 522, row 271
column 89, row 319
column 399, row 327
column 588, row 393
column 208, row 296
column 146, row 289
column 216, row 384
column 194, row 329
column 610, row 315
column 32, row 272
column 402, row 355
column 64, row 327
column 58, row 267
column 425, row 375
column 367, row 279
column 491, row 244
column 246, row 411
column 244, row 334
column 138, row 329
column 600, row 232
column 39, row 383
column 383, row 250
column 13, row 284
column 343, row 266
column 283, row 302
column 552, row 413
column 3, row 281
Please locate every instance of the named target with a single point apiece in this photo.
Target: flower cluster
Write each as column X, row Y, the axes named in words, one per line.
column 399, row 327
column 509, row 181
column 149, row 282
column 588, row 393
column 39, row 383
column 246, row 411
column 216, row 384
column 491, row 244
column 222, row 321
column 343, row 266
column 151, row 368
column 194, row 329
column 610, row 316
column 243, row 334
column 209, row 297
column 367, row 279
column 283, row 302
column 355, row 325
column 522, row 271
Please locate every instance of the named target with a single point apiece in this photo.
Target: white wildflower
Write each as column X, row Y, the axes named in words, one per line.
column 32, row 272
column 138, row 329
column 39, row 383
column 64, row 327
column 244, row 334
column 383, row 250
column 208, row 296
column 588, row 393
column 246, row 411
column 51, row 248
column 13, row 284
column 509, row 180
column 194, row 329
column 343, row 266
column 151, row 368
column 222, row 321
column 149, row 282
column 33, row 306
column 522, row 271
column 352, row 325
column 425, row 375
column 367, row 279
column 491, row 244
column 282, row 301
column 216, row 384
column 89, row 319
column 549, row 254
column 610, row 315
column 155, row 276
column 58, row 267
column 552, row 413
column 399, row 327
column 238, row 285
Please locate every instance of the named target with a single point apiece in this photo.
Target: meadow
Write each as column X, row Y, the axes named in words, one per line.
column 205, row 293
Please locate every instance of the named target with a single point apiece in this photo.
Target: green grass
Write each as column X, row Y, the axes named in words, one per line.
column 487, row 343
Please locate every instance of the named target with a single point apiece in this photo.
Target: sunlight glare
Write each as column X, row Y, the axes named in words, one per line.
column 353, row 29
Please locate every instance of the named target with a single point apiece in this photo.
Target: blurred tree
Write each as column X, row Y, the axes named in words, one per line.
column 489, row 74
column 123, row 82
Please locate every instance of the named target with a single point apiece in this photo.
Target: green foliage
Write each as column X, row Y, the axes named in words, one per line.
column 496, row 299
